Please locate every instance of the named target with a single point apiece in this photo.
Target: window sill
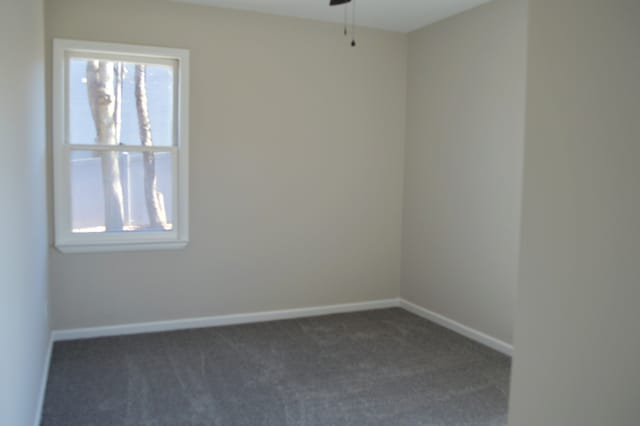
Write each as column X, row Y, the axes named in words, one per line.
column 120, row 247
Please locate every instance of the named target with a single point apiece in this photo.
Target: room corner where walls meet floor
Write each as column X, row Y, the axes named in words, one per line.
column 235, row 319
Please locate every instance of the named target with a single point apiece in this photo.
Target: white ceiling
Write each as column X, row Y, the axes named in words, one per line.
column 393, row 15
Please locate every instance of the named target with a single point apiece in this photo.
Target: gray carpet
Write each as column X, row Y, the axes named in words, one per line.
column 384, row 367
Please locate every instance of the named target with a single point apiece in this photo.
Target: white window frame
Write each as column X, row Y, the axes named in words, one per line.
column 65, row 240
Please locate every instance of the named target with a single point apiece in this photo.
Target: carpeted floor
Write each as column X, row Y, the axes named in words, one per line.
column 386, row 367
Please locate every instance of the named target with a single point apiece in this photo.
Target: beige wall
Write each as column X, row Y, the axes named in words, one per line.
column 578, row 325
column 24, row 323
column 465, row 137
column 296, row 168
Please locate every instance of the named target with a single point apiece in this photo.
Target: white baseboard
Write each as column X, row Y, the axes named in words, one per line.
column 220, row 320
column 43, row 382
column 462, row 329
column 181, row 324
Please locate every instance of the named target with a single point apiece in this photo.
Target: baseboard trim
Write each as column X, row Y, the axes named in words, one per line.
column 213, row 321
column 43, row 382
column 221, row 320
column 459, row 328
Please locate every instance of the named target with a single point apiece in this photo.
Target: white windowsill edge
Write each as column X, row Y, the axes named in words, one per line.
column 120, row 247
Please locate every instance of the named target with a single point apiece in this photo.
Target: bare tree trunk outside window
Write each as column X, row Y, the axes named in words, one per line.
column 153, row 198
column 104, row 103
column 119, row 71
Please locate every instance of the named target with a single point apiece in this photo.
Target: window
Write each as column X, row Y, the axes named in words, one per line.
column 120, row 146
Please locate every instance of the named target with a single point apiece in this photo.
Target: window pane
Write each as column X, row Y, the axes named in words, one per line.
column 114, row 192
column 104, row 108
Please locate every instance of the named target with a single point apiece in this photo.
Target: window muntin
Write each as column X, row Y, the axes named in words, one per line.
column 120, row 146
